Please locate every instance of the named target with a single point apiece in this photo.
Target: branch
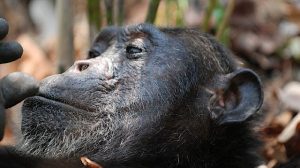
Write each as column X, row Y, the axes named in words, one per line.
column 209, row 10
column 225, row 20
column 152, row 10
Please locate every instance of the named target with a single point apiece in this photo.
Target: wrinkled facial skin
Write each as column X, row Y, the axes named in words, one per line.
column 132, row 76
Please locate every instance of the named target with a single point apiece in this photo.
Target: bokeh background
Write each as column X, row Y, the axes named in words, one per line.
column 263, row 34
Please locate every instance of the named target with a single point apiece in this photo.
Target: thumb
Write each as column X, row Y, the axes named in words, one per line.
column 15, row 87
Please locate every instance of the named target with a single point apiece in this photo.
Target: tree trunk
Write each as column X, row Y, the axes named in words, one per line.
column 65, row 48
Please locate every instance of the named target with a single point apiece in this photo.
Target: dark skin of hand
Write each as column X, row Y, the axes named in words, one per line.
column 16, row 86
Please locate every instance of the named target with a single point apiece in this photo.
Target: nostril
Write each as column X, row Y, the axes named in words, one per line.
column 82, row 66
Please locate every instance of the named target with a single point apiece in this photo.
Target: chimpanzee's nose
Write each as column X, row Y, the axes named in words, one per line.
column 82, row 65
column 100, row 66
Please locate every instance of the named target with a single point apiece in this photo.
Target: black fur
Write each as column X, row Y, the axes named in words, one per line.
column 148, row 97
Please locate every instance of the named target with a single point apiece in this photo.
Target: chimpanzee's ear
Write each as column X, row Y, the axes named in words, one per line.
column 240, row 97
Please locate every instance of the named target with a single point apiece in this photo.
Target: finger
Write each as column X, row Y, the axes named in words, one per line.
column 3, row 28
column 88, row 163
column 10, row 51
column 17, row 86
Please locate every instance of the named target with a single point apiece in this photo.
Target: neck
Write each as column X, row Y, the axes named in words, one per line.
column 187, row 138
column 222, row 146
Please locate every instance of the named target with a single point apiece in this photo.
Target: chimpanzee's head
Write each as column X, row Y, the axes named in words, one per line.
column 143, row 92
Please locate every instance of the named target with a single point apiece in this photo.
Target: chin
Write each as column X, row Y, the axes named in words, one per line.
column 52, row 129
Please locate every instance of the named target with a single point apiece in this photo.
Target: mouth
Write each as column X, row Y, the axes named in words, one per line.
column 46, row 100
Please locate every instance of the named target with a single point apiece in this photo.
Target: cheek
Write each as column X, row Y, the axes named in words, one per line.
column 129, row 75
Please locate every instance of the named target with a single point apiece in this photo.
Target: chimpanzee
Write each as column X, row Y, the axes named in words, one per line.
column 147, row 97
column 16, row 86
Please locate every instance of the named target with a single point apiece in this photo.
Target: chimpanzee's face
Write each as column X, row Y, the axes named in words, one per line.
column 130, row 78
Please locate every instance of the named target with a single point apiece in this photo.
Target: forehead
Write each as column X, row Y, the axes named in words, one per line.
column 128, row 33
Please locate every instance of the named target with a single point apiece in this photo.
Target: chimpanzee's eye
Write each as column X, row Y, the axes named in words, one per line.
column 133, row 50
column 93, row 53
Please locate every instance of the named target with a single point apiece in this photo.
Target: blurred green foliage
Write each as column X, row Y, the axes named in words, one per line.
column 172, row 15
